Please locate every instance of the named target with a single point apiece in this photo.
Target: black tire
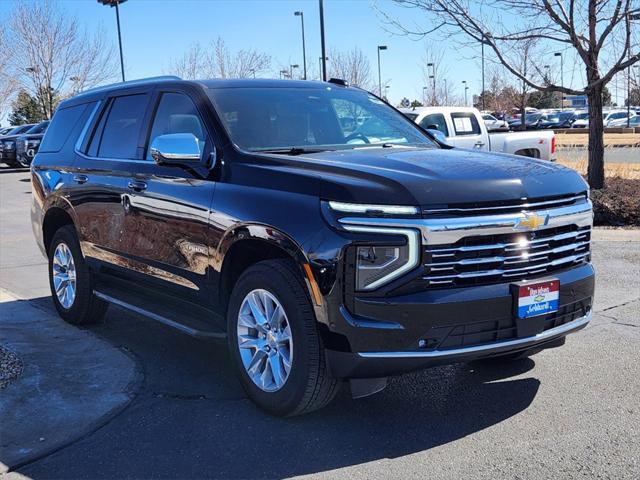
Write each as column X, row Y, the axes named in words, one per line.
column 86, row 307
column 309, row 385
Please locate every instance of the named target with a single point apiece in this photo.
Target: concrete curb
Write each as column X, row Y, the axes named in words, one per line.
column 72, row 384
column 609, row 234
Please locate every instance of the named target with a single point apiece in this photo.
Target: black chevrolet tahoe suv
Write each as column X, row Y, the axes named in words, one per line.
column 8, row 144
column 326, row 237
column 27, row 145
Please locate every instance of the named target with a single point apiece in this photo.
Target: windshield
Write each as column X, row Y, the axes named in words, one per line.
column 311, row 119
column 39, row 128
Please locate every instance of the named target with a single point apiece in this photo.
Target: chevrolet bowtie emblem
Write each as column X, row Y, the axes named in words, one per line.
column 531, row 221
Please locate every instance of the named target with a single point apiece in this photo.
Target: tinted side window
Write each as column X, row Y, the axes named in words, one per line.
column 436, row 119
column 465, row 123
column 177, row 114
column 64, row 121
column 119, row 138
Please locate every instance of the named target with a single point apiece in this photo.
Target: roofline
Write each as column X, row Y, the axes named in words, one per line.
column 130, row 83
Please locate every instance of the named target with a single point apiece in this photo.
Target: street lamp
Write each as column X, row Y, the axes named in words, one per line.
column 115, row 3
column 424, row 97
column 483, row 43
column 291, row 67
column 380, row 47
column 559, row 54
column 323, row 58
column 635, row 16
column 284, row 73
column 253, row 72
column 304, row 50
column 433, row 77
column 465, row 92
column 386, row 92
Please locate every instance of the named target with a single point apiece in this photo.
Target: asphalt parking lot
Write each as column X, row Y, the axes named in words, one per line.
column 571, row 412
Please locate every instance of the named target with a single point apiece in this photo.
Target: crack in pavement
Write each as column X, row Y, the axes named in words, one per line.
column 616, row 306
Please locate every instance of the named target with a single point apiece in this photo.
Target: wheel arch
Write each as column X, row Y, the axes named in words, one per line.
column 55, row 218
column 249, row 244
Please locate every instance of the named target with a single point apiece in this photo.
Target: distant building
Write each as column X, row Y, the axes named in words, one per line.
column 575, row 101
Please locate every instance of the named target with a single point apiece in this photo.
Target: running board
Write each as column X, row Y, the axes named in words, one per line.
column 198, row 331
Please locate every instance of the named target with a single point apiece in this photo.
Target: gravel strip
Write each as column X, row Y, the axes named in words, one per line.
column 10, row 367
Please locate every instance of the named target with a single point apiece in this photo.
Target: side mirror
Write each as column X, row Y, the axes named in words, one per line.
column 175, row 149
column 440, row 136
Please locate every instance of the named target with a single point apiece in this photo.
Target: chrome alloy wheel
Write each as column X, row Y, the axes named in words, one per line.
column 64, row 275
column 265, row 340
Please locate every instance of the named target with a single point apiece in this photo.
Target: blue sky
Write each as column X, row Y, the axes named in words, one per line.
column 154, row 31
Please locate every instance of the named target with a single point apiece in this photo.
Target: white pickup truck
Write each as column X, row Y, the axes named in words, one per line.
column 463, row 127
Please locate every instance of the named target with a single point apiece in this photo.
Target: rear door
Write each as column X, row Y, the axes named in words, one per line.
column 467, row 131
column 167, row 213
column 108, row 160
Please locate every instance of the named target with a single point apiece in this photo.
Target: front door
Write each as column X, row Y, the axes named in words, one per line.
column 467, row 131
column 167, row 210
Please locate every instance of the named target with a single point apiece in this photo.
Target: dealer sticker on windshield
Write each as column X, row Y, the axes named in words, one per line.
column 538, row 298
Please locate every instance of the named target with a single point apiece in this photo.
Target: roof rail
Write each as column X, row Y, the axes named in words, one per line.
column 139, row 81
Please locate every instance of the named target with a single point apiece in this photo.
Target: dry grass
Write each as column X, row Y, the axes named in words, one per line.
column 570, row 140
column 611, row 170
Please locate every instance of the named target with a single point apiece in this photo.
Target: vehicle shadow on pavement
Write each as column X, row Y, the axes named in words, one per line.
column 192, row 419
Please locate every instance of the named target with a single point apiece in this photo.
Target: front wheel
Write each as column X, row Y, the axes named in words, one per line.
column 71, row 281
column 274, row 341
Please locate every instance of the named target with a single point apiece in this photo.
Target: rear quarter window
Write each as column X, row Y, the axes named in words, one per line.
column 465, row 123
column 64, row 122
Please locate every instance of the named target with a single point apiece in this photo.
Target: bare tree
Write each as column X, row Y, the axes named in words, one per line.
column 8, row 83
column 585, row 29
column 352, row 66
column 218, row 61
column 53, row 57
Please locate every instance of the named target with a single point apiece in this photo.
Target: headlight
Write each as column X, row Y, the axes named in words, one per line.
column 377, row 265
column 373, row 209
column 33, row 143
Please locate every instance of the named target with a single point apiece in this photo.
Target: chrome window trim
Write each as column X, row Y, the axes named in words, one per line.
column 83, row 133
column 414, row 250
column 446, row 231
column 487, row 348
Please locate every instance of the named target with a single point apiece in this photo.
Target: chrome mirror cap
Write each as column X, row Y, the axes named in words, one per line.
column 176, row 148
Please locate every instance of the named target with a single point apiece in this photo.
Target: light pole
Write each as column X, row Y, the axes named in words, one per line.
column 320, row 65
column 386, row 92
column 559, row 54
column 465, row 92
column 482, row 49
column 253, row 71
column 304, row 50
column 433, row 77
column 291, row 67
column 635, row 16
column 115, row 3
column 380, row 47
column 424, row 97
column 323, row 58
column 284, row 73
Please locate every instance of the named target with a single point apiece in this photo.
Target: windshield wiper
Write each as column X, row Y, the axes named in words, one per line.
column 293, row 150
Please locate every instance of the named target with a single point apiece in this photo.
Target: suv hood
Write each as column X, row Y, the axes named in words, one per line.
column 427, row 177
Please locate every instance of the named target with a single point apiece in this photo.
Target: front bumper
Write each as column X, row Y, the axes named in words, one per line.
column 389, row 337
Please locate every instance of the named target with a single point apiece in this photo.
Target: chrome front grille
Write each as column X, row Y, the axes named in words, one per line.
column 507, row 257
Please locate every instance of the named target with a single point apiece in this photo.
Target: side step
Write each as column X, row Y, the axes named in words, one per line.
column 185, row 323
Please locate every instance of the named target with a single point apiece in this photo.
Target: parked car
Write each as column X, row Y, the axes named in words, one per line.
column 608, row 117
column 557, row 120
column 493, row 124
column 622, row 122
column 246, row 210
column 8, row 145
column 464, row 127
column 28, row 143
column 531, row 122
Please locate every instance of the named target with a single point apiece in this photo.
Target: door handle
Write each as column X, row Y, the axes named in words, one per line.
column 137, row 186
column 80, row 179
column 479, row 144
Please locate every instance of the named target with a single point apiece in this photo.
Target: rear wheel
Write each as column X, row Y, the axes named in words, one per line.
column 274, row 341
column 71, row 281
